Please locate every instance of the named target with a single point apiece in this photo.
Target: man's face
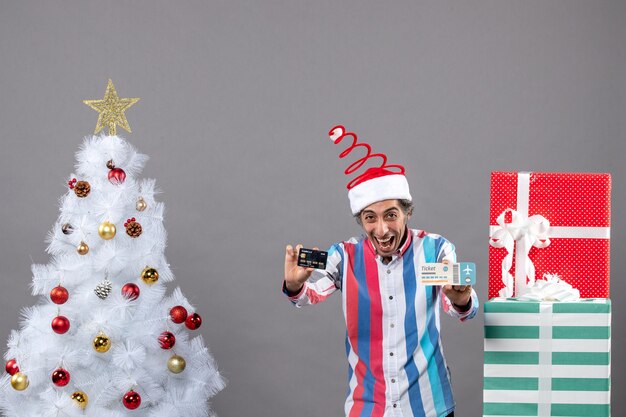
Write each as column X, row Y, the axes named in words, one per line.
column 385, row 224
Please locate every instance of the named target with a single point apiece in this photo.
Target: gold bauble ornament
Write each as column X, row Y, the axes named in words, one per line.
column 141, row 204
column 176, row 364
column 101, row 343
column 82, row 249
column 80, row 399
column 107, row 230
column 149, row 275
column 19, row 381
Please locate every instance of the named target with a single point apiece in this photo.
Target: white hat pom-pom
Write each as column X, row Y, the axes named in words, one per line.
column 336, row 133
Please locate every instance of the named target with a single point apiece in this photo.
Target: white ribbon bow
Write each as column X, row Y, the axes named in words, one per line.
column 527, row 232
column 550, row 288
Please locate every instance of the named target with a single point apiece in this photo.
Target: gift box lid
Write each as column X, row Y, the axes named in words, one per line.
column 566, row 199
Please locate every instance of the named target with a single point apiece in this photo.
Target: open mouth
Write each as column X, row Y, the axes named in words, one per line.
column 385, row 244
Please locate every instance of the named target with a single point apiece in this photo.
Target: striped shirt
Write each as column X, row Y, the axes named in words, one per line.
column 393, row 343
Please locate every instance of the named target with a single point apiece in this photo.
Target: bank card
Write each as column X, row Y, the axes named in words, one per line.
column 462, row 273
column 311, row 258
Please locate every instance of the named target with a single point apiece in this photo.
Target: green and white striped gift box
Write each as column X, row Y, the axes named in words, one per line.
column 547, row 359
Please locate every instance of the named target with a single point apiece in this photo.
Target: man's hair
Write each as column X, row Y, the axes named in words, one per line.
column 405, row 205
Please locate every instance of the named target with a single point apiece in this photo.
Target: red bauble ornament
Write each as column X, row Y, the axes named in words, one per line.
column 12, row 367
column 167, row 340
column 194, row 321
column 132, row 400
column 117, row 176
column 59, row 295
column 60, row 324
column 178, row 314
column 130, row 291
column 60, row 377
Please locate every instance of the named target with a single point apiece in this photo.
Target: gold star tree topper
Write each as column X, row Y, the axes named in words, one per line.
column 111, row 109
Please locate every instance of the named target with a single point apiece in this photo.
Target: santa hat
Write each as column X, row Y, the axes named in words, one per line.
column 385, row 182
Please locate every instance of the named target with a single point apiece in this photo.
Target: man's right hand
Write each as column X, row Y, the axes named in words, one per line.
column 295, row 276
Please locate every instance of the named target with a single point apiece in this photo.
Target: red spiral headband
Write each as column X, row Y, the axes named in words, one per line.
column 337, row 134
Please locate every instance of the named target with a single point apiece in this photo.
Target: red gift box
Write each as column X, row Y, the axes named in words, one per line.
column 554, row 223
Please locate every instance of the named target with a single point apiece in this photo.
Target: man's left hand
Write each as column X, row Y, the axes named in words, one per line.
column 459, row 295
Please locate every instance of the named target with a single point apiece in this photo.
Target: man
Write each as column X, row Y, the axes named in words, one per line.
column 397, row 367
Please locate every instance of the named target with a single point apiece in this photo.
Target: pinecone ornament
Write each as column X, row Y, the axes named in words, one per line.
column 82, row 189
column 103, row 289
column 133, row 229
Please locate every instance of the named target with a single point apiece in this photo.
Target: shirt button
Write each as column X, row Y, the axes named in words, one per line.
column 395, row 405
column 389, row 271
column 390, row 353
column 392, row 325
column 393, row 381
column 391, row 297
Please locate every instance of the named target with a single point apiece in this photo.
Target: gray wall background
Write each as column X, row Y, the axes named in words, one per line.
column 236, row 100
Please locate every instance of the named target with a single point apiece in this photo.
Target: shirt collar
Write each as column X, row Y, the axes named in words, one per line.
column 407, row 242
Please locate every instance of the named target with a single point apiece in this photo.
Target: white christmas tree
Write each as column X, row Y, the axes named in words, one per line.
column 105, row 340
